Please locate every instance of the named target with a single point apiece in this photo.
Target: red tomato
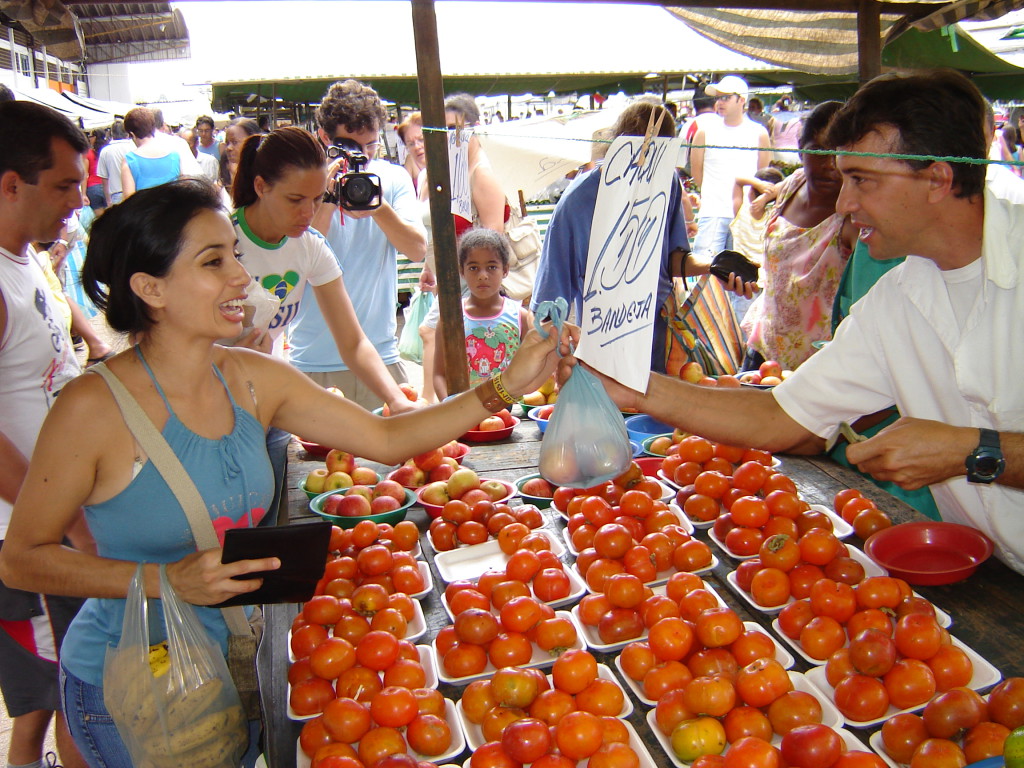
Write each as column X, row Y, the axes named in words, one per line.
column 902, row 734
column 761, row 682
column 953, row 711
column 860, row 698
column 811, row 746
column 526, row 740
column 793, row 709
column 910, row 683
column 752, row 752
column 1006, row 703
column 872, row 652
column 309, row 697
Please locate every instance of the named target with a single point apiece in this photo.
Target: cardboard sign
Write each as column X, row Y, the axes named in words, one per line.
column 620, row 296
column 458, row 168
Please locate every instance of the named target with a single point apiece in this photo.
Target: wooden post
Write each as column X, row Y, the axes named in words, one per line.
column 869, row 39
column 431, row 90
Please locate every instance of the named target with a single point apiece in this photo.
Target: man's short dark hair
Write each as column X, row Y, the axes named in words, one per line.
column 634, row 119
column 6, row 94
column 465, row 105
column 27, row 131
column 204, row 120
column 352, row 105
column 936, row 113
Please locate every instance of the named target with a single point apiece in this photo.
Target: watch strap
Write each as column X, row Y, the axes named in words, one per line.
column 989, row 439
column 493, row 395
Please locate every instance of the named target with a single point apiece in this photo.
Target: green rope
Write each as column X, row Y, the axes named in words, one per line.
column 832, row 152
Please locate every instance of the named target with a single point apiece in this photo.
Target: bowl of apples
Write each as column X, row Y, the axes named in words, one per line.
column 541, row 415
column 466, row 486
column 535, row 490
column 493, row 428
column 768, row 375
column 339, row 473
column 384, row 502
column 431, row 466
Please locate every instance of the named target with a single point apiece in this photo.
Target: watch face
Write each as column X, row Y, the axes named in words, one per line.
column 986, row 465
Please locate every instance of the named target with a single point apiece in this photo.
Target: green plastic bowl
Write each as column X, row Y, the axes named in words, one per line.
column 311, row 495
column 646, row 444
column 542, row 502
column 316, row 505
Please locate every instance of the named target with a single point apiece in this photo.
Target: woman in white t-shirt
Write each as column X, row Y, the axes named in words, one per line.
column 278, row 187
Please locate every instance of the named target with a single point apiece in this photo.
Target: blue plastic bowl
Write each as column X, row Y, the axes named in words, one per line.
column 542, row 424
column 638, row 449
column 642, row 426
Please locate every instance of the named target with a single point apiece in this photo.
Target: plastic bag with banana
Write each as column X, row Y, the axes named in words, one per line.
column 173, row 703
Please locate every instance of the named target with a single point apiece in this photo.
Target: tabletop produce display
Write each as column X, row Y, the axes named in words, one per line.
column 724, row 616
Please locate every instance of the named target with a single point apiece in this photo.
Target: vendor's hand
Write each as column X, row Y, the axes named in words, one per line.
column 914, row 453
column 202, row 579
column 403, row 404
column 537, row 357
column 622, row 396
column 427, row 282
column 736, row 285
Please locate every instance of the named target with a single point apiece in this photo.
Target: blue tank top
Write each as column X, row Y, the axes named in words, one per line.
column 153, row 171
column 145, row 523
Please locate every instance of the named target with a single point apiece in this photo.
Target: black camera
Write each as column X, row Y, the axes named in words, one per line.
column 354, row 190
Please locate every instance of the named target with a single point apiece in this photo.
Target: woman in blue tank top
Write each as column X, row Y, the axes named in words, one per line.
column 163, row 266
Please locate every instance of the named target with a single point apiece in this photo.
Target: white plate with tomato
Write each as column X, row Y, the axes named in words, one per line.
column 471, row 562
column 635, row 743
column 577, row 589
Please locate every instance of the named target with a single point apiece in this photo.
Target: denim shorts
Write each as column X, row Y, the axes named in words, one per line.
column 91, row 726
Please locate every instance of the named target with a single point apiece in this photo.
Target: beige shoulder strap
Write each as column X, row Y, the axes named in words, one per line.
column 170, row 467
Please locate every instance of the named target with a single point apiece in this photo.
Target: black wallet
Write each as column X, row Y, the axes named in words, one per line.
column 734, row 262
column 302, row 549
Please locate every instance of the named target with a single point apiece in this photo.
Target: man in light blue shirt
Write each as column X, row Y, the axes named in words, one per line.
column 366, row 244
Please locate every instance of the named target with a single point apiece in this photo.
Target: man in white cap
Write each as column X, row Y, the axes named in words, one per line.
column 715, row 170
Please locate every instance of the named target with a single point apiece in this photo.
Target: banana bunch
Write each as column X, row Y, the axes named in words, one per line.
column 159, row 659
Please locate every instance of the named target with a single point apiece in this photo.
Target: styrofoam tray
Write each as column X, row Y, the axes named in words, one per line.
column 984, row 676
column 871, row 568
column 875, row 740
column 700, row 525
column 840, row 528
column 577, row 589
column 667, row 494
column 457, row 746
column 783, row 656
column 661, row 578
column 851, row 741
column 430, row 540
column 540, row 658
column 684, row 523
column 635, row 743
column 428, row 581
column 414, row 630
column 475, row 735
column 470, row 562
column 429, row 672
column 594, row 639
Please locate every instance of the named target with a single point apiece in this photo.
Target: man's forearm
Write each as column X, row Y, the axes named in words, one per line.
column 13, row 468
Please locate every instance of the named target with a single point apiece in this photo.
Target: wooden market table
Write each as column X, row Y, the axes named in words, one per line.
column 987, row 609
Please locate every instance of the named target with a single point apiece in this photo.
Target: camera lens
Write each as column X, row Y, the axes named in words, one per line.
column 360, row 190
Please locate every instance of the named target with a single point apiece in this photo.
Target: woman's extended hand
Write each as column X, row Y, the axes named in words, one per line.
column 202, row 579
column 537, row 357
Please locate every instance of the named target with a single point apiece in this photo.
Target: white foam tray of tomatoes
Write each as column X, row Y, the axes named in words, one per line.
column 429, row 671
column 414, row 629
column 635, row 743
column 540, row 658
column 667, row 493
column 840, row 528
column 475, row 734
column 851, row 742
column 684, row 523
column 984, row 676
column 593, row 639
column 438, row 551
column 577, row 589
column 871, row 568
column 457, row 746
column 784, row 657
column 470, row 562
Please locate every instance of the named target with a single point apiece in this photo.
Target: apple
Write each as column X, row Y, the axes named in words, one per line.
column 538, row 486
column 383, row 504
column 546, row 411
column 490, row 424
column 728, row 382
column 660, row 445
column 435, row 493
column 462, row 480
column 495, row 489
column 770, row 368
column 410, row 392
column 337, row 481
column 750, row 377
column 390, row 488
column 473, row 495
column 452, row 449
column 336, row 391
column 364, row 476
column 506, row 417
column 340, row 461
column 708, row 381
column 786, row 373
column 771, row 381
column 552, row 398
column 535, row 398
column 354, row 505
column 428, row 460
column 691, row 372
column 316, row 479
column 410, row 476
column 331, row 503
column 360, row 490
column 442, row 471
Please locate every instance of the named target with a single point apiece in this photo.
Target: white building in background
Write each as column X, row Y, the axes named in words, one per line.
column 24, row 68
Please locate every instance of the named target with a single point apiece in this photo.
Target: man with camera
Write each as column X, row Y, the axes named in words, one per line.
column 370, row 216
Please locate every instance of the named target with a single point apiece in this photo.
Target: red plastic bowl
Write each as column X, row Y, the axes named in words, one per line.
column 929, row 553
column 649, row 465
column 434, row 510
column 314, row 449
column 489, row 435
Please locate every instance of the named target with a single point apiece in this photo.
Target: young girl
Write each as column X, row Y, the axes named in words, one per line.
column 494, row 323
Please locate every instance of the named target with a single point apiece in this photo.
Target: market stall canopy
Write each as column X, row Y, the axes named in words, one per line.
column 88, row 117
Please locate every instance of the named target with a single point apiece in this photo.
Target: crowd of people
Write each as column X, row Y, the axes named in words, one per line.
column 905, row 267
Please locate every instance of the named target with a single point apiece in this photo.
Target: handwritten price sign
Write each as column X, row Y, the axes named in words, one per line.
column 458, row 167
column 620, row 291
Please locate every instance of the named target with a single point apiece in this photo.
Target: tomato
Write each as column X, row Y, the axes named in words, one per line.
column 377, row 650
column 743, row 541
column 367, row 599
column 463, row 660
column 953, row 711
column 842, row 497
column 592, row 608
column 596, row 510
column 902, row 734
column 750, row 512
column 872, row 652
column 793, row 709
column 694, row 448
column 601, row 697
column 839, row 666
column 551, row 706
column 309, row 697
column 514, row 688
column 394, row 707
column 430, row 701
column 750, row 476
column 332, row 657
column 491, row 755
column 1006, row 703
column 429, row 735
column 751, row 646
column 521, row 614
column 671, row 710
column 713, row 696
column 378, row 743
column 618, row 625
column 573, row 671
column 910, row 683
column 323, row 609
column 855, row 758
column 693, row 738
column 555, row 635
column 472, row 532
column 951, row 667
column 869, row 618
column 810, row 519
column 599, row 571
column 658, row 607
column 636, row 659
column 510, row 649
column 346, row 720
column 985, row 740
column 523, row 565
column 833, row 599
column 761, row 682
column 770, row 587
column 477, row 699
column 870, row 521
column 692, row 555
column 671, row 639
column 306, row 638
column 390, row 620
column 821, row 637
column 504, row 591
column 701, row 508
column 917, row 636
column 314, row 736
column 752, row 752
column 718, row 627
column 359, row 683
column 860, row 698
column 578, row 735
column 794, row 617
column 779, row 551
column 938, row 753
column 845, row 570
column 713, row 661
column 746, row 571
column 475, row 625
column 526, row 740
column 818, row 546
column 624, row 590
column 746, row 721
column 639, row 562
column 878, row 592
column 529, row 515
column 614, row 755
column 695, row 602
column 802, row 578
column 811, row 746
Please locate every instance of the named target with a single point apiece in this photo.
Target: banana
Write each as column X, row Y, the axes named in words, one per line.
column 195, row 734
column 159, row 659
column 220, row 751
column 193, row 703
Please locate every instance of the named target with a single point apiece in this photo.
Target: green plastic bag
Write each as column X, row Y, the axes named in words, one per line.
column 410, row 345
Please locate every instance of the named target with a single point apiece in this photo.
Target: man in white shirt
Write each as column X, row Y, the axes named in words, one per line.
column 108, row 166
column 936, row 336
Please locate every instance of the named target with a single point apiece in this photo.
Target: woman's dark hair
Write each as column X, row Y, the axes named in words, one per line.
column 634, row 120
column 939, row 113
column 465, row 105
column 485, row 238
column 140, row 122
column 269, row 156
column 817, row 121
column 251, row 128
column 142, row 234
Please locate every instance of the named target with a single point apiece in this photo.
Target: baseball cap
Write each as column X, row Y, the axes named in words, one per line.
column 728, row 85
